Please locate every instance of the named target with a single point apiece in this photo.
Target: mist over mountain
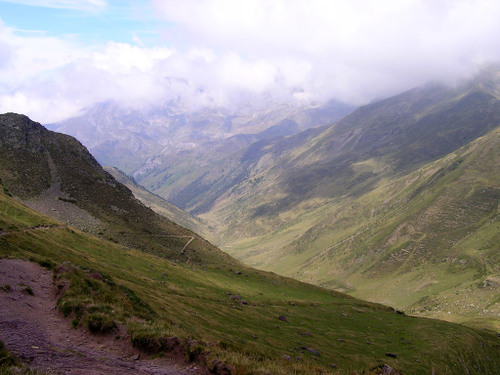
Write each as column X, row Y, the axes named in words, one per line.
column 250, row 187
column 133, row 140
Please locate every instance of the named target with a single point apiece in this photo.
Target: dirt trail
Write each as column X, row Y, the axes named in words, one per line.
column 34, row 331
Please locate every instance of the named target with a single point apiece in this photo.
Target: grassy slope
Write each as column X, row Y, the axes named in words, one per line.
column 193, row 303
column 274, row 180
column 160, row 205
column 427, row 242
column 310, row 204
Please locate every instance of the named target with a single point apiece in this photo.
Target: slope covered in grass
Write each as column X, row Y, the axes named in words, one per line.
column 427, row 242
column 233, row 313
column 396, row 203
column 160, row 205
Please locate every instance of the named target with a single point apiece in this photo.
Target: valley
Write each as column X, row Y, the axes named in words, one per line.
column 372, row 205
column 187, row 299
column 249, row 187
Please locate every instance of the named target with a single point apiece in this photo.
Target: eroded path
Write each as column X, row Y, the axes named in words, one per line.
column 34, row 331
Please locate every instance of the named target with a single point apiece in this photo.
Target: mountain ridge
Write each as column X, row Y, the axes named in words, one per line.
column 58, row 171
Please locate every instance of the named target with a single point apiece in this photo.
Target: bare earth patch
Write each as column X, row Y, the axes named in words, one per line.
column 34, row 331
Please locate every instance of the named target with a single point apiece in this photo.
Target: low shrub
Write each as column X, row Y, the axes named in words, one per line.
column 99, row 323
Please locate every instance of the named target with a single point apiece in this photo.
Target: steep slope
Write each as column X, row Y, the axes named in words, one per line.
column 301, row 195
column 388, row 138
column 178, row 175
column 230, row 320
column 160, row 205
column 55, row 174
column 428, row 242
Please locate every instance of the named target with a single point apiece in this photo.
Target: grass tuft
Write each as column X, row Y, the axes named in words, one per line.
column 99, row 323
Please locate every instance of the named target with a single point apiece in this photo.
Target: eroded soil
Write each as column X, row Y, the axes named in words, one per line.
column 35, row 332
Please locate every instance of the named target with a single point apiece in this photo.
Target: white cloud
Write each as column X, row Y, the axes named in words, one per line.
column 354, row 49
column 227, row 52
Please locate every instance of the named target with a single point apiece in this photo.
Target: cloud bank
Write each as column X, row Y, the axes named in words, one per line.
column 229, row 52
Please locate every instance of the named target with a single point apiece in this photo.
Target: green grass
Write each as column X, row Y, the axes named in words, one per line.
column 433, row 232
column 231, row 311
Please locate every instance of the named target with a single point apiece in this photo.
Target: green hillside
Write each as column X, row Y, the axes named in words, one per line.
column 386, row 204
column 428, row 242
column 260, row 188
column 160, row 205
column 233, row 313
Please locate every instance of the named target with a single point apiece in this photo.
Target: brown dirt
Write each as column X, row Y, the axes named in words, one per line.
column 34, row 331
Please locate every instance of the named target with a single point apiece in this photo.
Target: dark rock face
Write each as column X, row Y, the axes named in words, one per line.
column 19, row 132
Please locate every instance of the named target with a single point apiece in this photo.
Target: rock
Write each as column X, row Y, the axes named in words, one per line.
column 340, row 340
column 283, row 318
column 313, row 351
column 333, row 365
column 392, row 355
column 305, row 334
column 388, row 370
column 287, row 357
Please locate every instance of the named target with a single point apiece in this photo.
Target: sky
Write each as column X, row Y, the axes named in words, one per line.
column 60, row 57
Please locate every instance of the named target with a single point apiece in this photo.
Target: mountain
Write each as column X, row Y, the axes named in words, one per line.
column 427, row 242
column 133, row 140
column 280, row 203
column 54, row 174
column 400, row 134
column 217, row 314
